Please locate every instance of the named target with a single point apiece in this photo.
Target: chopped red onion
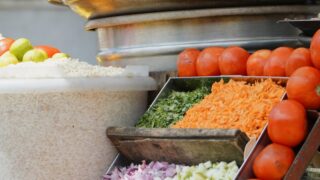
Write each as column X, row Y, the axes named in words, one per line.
column 159, row 170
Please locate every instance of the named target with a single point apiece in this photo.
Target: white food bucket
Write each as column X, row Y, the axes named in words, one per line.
column 56, row 128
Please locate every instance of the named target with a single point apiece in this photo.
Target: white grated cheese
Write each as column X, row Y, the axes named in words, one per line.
column 76, row 68
column 58, row 68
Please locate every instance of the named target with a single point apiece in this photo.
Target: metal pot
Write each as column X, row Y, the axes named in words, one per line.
column 155, row 39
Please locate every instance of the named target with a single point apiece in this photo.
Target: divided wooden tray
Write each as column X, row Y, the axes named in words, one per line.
column 184, row 146
column 193, row 146
column 304, row 153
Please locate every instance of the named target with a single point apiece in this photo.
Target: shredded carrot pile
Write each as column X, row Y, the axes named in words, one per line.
column 234, row 105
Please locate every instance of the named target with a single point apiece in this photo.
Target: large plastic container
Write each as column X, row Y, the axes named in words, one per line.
column 55, row 129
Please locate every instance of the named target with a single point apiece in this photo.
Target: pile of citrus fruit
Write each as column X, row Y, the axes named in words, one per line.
column 21, row 50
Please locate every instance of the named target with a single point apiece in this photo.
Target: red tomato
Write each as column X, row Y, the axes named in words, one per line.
column 287, row 123
column 273, row 162
column 257, row 61
column 208, row 61
column 48, row 49
column 300, row 57
column 5, row 45
column 233, row 61
column 304, row 86
column 315, row 49
column 276, row 63
column 187, row 62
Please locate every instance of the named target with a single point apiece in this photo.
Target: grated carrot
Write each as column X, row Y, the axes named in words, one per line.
column 234, row 105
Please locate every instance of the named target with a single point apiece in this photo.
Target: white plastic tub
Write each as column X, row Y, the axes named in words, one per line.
column 55, row 129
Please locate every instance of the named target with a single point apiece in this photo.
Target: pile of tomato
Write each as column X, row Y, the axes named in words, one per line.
column 213, row 61
column 288, row 125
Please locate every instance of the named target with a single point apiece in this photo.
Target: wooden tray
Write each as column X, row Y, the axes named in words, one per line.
column 184, row 146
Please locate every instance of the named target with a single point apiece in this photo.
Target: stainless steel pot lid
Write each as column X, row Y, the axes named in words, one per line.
column 91, row 9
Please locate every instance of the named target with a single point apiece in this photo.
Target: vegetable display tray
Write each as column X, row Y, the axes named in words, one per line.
column 304, row 152
column 184, row 146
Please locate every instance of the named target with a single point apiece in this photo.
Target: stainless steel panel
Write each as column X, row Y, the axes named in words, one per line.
column 196, row 31
column 307, row 26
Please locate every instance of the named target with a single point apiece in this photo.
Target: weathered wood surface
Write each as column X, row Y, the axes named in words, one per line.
column 186, row 146
column 127, row 132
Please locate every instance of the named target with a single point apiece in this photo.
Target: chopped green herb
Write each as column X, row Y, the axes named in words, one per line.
column 171, row 109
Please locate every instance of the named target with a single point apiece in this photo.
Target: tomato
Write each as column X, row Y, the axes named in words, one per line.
column 48, row 49
column 299, row 57
column 257, row 61
column 233, row 61
column 315, row 49
column 276, row 63
column 304, row 86
column 187, row 62
column 5, row 45
column 208, row 61
column 273, row 162
column 287, row 123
